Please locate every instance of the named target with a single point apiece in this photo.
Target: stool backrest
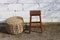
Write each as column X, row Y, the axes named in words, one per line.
column 35, row 12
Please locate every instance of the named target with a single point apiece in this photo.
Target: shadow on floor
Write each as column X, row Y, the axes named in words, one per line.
column 3, row 28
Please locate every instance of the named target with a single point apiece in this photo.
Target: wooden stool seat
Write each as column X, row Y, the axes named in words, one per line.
column 35, row 13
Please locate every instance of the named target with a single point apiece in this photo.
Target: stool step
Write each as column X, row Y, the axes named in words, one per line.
column 35, row 22
column 35, row 26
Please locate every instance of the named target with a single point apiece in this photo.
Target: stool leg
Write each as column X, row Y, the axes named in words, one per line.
column 40, row 23
column 30, row 25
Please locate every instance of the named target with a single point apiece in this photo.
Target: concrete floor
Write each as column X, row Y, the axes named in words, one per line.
column 51, row 31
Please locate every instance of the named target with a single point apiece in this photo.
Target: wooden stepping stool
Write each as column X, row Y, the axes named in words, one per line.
column 35, row 13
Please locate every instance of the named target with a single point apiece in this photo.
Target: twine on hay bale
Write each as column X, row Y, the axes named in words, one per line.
column 16, row 24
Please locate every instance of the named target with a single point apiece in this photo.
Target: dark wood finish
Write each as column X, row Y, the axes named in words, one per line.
column 35, row 13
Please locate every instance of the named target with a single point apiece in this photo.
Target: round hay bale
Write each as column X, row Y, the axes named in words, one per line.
column 16, row 24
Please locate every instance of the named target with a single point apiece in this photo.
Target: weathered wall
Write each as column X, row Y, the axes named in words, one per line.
column 50, row 9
